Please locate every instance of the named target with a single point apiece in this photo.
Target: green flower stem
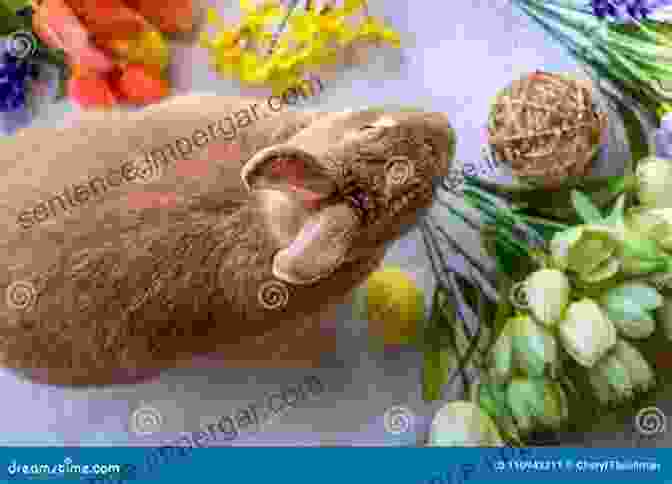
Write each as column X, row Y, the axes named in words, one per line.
column 503, row 215
column 492, row 211
column 543, row 222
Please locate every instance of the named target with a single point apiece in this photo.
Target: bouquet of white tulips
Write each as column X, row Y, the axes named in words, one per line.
column 585, row 304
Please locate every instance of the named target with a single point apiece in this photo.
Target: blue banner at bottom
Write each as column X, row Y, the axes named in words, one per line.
column 251, row 465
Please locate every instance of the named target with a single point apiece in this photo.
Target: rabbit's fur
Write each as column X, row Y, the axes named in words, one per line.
column 122, row 288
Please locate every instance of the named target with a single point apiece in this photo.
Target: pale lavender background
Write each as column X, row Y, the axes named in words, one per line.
column 460, row 53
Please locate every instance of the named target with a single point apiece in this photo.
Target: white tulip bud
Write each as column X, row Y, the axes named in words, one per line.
column 586, row 333
column 463, row 424
column 548, row 294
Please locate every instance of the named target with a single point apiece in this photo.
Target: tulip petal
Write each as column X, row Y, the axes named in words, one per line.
column 641, row 374
column 664, row 315
column 607, row 269
column 561, row 245
column 463, row 424
column 503, row 356
column 654, row 176
column 556, row 405
column 632, row 328
column 527, row 401
column 616, row 374
column 548, row 294
column 635, row 294
column 601, row 389
column 533, row 346
column 586, row 333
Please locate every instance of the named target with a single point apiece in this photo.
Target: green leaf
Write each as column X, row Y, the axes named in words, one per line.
column 493, row 399
column 553, row 203
column 16, row 5
column 10, row 22
column 585, row 208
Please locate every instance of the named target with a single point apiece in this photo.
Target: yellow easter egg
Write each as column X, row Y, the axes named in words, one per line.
column 395, row 306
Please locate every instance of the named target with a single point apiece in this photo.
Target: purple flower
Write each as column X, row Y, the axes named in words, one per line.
column 626, row 10
column 14, row 74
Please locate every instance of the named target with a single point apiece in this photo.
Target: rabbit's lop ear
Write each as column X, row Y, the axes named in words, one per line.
column 321, row 241
column 288, row 169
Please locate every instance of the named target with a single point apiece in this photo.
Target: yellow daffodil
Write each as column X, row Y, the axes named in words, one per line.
column 374, row 29
column 251, row 68
column 304, row 27
column 310, row 26
column 257, row 18
column 224, row 47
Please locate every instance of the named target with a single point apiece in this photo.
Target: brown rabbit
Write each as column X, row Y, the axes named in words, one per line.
column 111, row 287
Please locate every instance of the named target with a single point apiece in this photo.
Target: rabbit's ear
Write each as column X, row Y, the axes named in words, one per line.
column 320, row 246
column 317, row 236
column 289, row 170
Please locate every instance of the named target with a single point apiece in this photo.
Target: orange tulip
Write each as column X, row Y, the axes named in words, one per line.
column 90, row 91
column 109, row 19
column 142, row 85
column 170, row 16
column 58, row 27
